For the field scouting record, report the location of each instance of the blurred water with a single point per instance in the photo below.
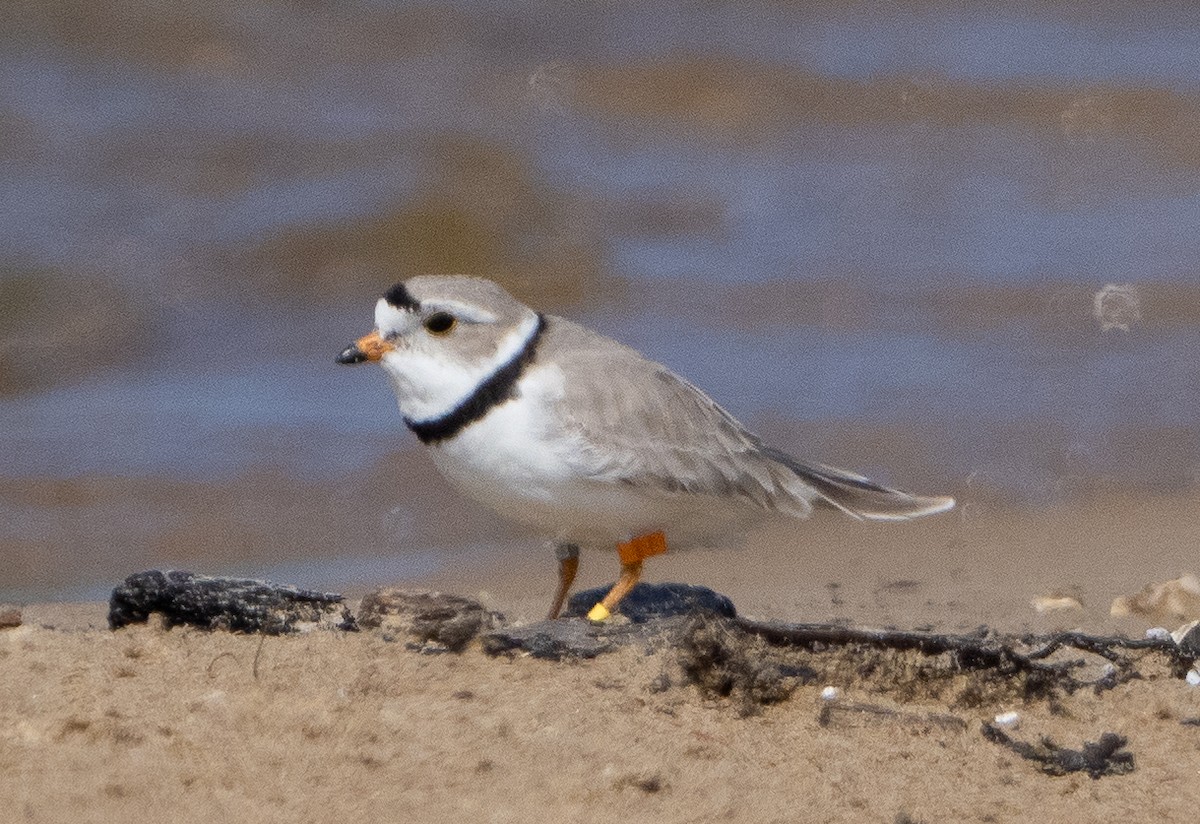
(838, 220)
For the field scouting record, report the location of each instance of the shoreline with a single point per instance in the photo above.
(979, 564)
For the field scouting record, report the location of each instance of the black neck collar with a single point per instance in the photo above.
(497, 388)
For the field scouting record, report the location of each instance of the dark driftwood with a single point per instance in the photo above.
(238, 605)
(986, 650)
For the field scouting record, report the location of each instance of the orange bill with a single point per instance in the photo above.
(373, 346)
(369, 347)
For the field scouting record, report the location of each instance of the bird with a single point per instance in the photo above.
(585, 439)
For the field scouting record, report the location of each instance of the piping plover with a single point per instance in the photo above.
(559, 427)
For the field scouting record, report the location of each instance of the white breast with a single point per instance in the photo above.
(504, 454)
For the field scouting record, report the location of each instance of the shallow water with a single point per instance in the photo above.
(883, 239)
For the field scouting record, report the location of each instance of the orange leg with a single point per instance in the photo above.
(568, 565)
(632, 554)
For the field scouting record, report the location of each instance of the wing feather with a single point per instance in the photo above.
(632, 421)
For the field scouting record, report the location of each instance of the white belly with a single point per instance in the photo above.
(505, 461)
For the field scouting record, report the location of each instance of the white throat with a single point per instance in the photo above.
(429, 385)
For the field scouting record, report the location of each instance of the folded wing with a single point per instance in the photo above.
(628, 420)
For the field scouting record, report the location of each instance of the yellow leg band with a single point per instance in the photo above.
(599, 613)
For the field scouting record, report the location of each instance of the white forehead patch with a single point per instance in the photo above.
(390, 319)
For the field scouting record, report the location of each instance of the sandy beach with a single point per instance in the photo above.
(102, 725)
(951, 246)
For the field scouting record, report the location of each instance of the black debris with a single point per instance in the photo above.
(724, 661)
(573, 638)
(232, 604)
(653, 615)
(436, 621)
(646, 602)
(1097, 758)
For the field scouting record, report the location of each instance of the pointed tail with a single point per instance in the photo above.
(860, 497)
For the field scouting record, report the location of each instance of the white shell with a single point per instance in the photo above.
(1010, 720)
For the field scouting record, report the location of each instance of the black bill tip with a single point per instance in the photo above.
(352, 355)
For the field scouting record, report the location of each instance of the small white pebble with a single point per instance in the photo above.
(1193, 678)
(1055, 603)
(1158, 634)
(831, 694)
(1011, 720)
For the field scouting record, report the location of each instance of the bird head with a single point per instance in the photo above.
(438, 338)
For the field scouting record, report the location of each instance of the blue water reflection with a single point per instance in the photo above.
(954, 183)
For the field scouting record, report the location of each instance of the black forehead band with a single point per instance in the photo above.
(399, 297)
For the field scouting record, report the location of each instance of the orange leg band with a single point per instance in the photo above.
(642, 547)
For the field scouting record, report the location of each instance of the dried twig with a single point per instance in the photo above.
(983, 650)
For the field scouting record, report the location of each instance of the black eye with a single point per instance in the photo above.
(439, 323)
